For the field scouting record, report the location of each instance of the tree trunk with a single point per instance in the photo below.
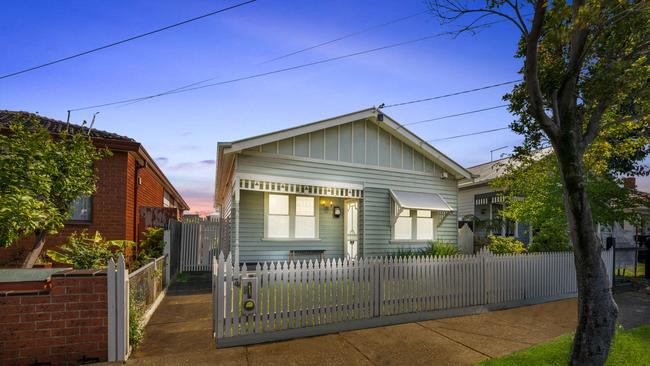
(597, 311)
(36, 250)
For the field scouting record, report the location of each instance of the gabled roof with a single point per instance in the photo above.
(387, 123)
(111, 140)
(486, 172)
(55, 126)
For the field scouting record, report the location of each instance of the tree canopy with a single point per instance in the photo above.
(40, 175)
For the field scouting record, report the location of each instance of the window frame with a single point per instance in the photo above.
(72, 220)
(413, 215)
(292, 218)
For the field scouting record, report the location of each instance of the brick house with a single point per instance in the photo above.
(130, 188)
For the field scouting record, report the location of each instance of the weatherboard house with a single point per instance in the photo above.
(356, 185)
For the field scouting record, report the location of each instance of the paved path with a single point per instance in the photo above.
(179, 333)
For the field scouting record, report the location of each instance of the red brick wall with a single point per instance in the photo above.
(108, 211)
(60, 326)
(150, 193)
(112, 206)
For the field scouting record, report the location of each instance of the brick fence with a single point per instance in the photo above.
(64, 325)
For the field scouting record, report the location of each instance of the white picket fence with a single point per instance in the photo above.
(294, 299)
(199, 240)
(118, 309)
(147, 285)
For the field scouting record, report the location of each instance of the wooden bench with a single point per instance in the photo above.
(311, 253)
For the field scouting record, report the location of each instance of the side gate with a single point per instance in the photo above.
(284, 300)
(192, 245)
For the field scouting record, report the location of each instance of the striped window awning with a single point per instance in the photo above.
(420, 201)
(300, 186)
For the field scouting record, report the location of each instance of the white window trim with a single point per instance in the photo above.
(413, 239)
(292, 218)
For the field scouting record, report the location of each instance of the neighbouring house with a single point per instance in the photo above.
(480, 204)
(356, 185)
(132, 192)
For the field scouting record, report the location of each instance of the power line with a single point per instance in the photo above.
(190, 87)
(126, 40)
(377, 26)
(469, 134)
(455, 115)
(451, 94)
(181, 90)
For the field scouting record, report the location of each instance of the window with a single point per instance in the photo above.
(424, 225)
(80, 209)
(168, 200)
(414, 225)
(278, 218)
(291, 217)
(403, 226)
(305, 218)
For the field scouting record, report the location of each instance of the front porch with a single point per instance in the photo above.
(278, 218)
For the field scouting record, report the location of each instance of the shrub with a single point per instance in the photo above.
(84, 252)
(136, 312)
(505, 245)
(152, 246)
(549, 246)
(405, 253)
(440, 249)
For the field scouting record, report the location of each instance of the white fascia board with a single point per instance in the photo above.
(299, 130)
(426, 148)
(289, 180)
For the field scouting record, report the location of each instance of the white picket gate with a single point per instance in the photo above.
(199, 241)
(294, 299)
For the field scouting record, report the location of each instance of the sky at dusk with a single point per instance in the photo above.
(181, 131)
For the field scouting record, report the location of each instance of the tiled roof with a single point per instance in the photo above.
(56, 126)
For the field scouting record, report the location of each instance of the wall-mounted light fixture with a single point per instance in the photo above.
(327, 204)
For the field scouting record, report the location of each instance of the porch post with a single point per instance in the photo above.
(236, 204)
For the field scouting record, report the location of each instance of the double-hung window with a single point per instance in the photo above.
(291, 217)
(414, 225)
(81, 208)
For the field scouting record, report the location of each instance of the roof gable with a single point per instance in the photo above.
(366, 137)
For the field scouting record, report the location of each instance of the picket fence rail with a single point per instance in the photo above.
(283, 300)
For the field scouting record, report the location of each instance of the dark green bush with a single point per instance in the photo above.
(83, 251)
(439, 248)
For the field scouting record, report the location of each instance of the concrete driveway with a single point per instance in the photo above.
(179, 333)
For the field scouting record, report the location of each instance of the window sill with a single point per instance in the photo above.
(410, 241)
(77, 222)
(290, 239)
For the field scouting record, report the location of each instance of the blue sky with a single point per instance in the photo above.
(182, 130)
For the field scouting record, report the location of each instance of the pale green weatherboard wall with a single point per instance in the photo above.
(374, 214)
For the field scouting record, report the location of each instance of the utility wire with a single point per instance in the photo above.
(126, 40)
(450, 94)
(181, 90)
(195, 86)
(468, 134)
(455, 115)
(349, 35)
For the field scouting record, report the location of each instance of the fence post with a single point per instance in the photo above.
(110, 295)
(167, 254)
(122, 309)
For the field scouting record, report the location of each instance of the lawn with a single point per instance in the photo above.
(629, 272)
(630, 348)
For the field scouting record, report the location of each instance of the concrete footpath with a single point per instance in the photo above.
(179, 333)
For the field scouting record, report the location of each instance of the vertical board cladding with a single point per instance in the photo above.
(375, 206)
(254, 248)
(108, 216)
(61, 326)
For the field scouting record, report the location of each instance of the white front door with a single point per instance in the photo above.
(351, 214)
